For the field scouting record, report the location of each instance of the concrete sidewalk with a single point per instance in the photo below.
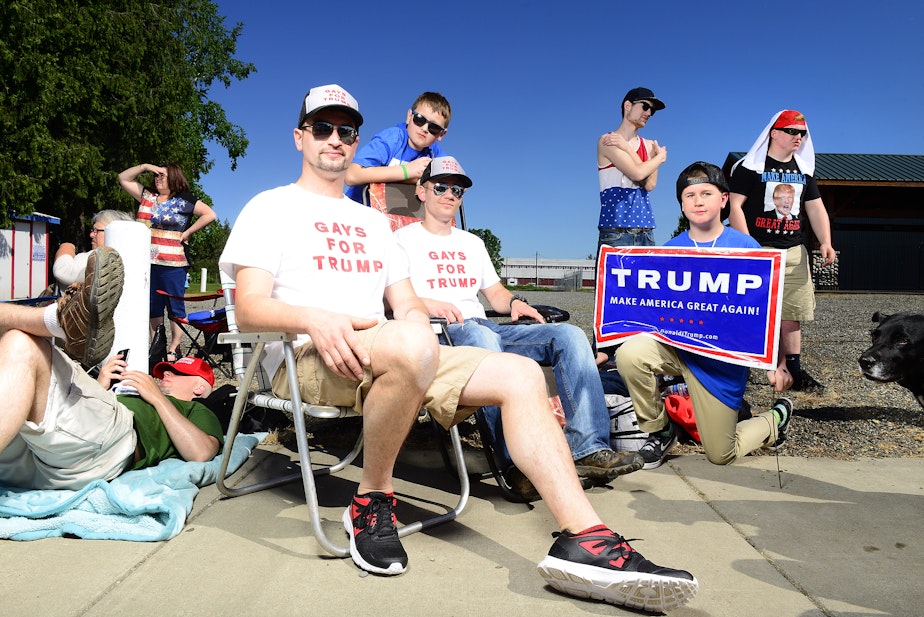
(840, 538)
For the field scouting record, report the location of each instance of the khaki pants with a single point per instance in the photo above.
(321, 386)
(798, 291)
(724, 439)
(86, 435)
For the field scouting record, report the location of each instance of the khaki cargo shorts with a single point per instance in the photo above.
(86, 435)
(321, 386)
(798, 291)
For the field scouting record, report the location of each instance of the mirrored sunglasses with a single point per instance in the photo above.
(322, 130)
(439, 189)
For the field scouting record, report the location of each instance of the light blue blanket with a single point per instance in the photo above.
(146, 505)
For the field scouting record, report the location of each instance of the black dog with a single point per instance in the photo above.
(897, 353)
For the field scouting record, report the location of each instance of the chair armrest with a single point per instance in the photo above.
(254, 337)
(551, 314)
(439, 326)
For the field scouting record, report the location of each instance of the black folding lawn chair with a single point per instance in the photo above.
(202, 329)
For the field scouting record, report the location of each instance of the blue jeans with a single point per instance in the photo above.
(612, 236)
(565, 348)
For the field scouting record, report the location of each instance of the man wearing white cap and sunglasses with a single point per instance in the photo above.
(326, 275)
(450, 267)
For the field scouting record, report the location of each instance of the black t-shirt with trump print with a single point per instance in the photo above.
(775, 204)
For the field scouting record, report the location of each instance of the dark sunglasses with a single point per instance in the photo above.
(793, 132)
(322, 130)
(433, 127)
(646, 106)
(439, 189)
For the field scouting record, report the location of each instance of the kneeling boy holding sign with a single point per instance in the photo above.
(716, 387)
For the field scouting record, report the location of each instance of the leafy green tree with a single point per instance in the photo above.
(90, 87)
(683, 224)
(205, 248)
(493, 244)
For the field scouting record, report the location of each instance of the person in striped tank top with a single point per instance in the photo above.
(628, 169)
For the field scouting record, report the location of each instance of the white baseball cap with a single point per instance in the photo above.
(331, 95)
(443, 166)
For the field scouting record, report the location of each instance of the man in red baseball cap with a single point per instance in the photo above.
(185, 379)
(60, 428)
(784, 156)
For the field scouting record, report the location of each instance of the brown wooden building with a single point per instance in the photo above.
(876, 206)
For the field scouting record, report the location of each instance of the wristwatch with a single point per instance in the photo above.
(515, 298)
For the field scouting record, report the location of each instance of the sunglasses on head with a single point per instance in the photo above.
(439, 189)
(793, 132)
(433, 127)
(646, 106)
(322, 130)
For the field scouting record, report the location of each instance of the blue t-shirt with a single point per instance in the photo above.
(724, 380)
(388, 148)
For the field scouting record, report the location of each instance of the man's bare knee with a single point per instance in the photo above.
(517, 378)
(410, 348)
(21, 347)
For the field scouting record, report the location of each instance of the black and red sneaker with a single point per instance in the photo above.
(600, 565)
(373, 529)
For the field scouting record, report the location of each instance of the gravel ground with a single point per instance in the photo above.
(854, 417)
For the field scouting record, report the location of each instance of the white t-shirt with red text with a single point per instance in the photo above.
(331, 253)
(451, 268)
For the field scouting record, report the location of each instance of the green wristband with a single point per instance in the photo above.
(404, 169)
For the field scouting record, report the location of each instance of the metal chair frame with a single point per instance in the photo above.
(398, 201)
(247, 349)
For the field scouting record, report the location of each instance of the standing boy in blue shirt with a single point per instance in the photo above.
(402, 152)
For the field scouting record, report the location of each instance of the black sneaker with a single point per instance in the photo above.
(600, 565)
(656, 447)
(803, 382)
(373, 530)
(784, 406)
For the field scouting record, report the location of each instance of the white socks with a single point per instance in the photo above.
(50, 317)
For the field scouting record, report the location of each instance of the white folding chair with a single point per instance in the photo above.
(247, 349)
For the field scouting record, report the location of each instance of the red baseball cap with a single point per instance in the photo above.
(194, 367)
(789, 117)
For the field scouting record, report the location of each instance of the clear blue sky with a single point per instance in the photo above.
(534, 84)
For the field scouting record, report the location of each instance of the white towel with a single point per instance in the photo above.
(757, 155)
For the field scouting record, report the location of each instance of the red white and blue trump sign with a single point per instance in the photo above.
(719, 303)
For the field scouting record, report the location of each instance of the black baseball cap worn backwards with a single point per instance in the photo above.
(714, 176)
